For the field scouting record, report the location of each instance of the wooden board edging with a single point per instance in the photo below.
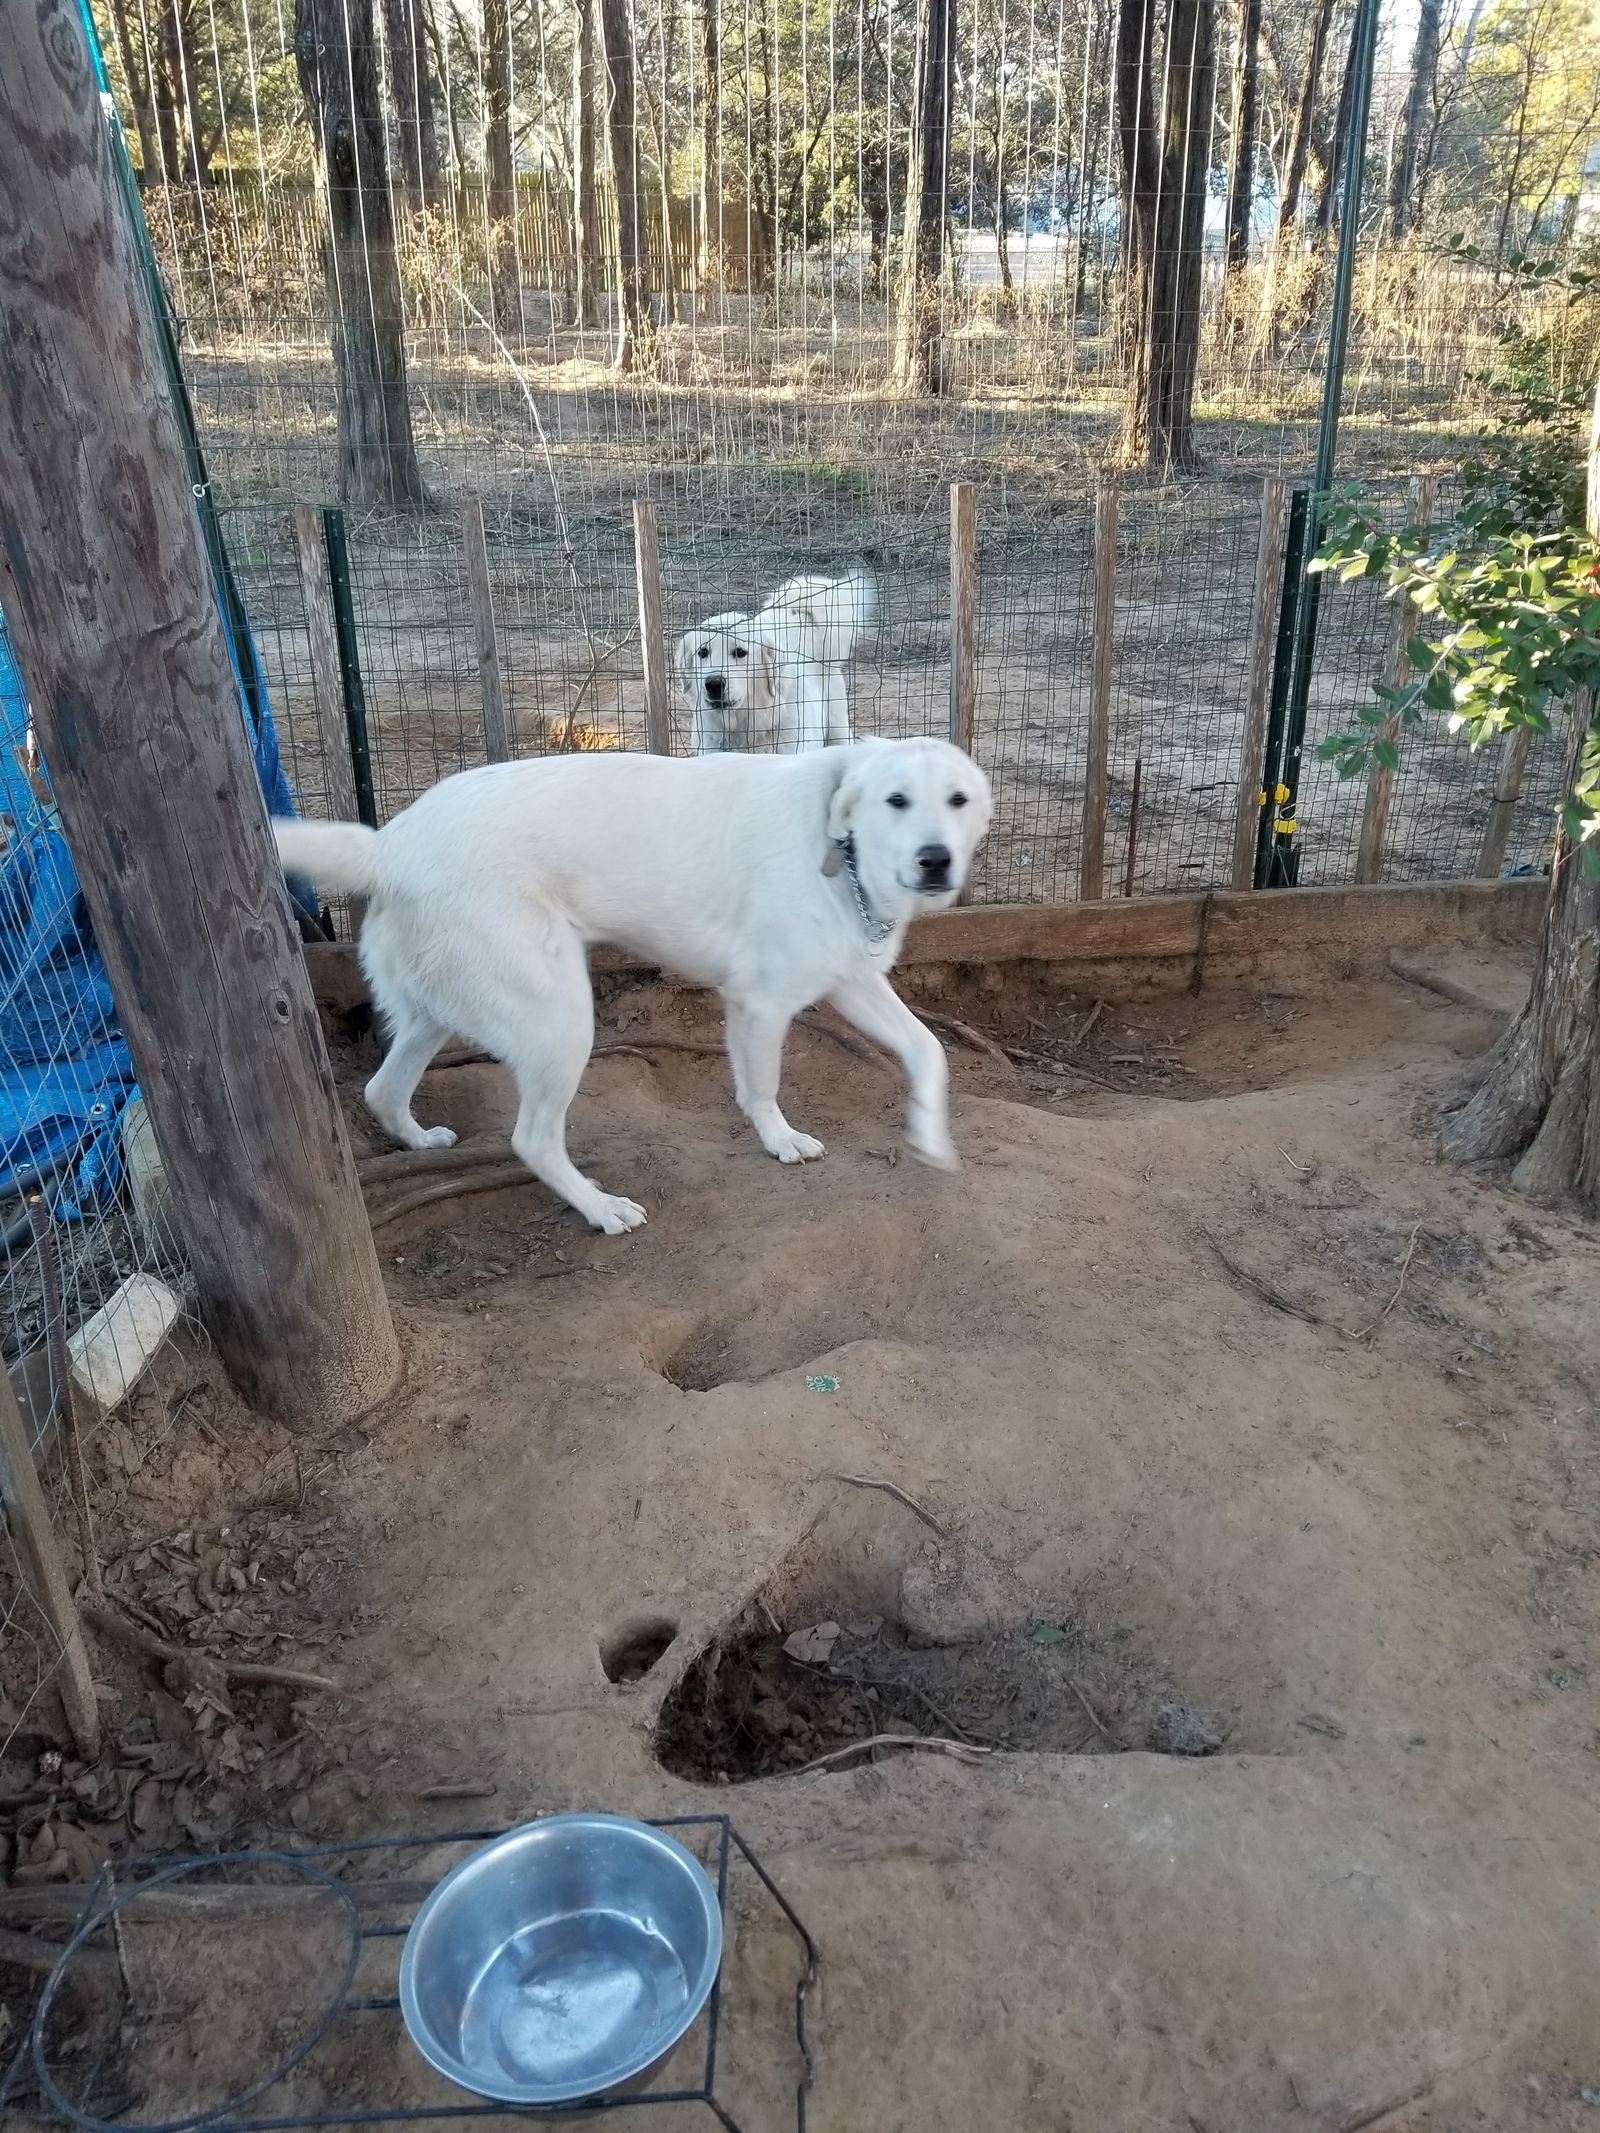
(1230, 927)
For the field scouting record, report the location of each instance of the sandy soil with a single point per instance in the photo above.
(1213, 1386)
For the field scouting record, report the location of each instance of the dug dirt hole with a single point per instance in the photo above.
(871, 1281)
(864, 1635)
(636, 1646)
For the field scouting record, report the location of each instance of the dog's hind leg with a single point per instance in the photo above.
(878, 1011)
(755, 1034)
(417, 1036)
(553, 1037)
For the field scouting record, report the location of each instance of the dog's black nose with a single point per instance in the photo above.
(934, 859)
(714, 688)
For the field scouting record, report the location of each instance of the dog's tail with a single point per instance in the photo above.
(337, 856)
(840, 610)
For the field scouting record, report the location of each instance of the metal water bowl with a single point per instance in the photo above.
(562, 1962)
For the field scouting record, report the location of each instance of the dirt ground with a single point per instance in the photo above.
(1240, 1551)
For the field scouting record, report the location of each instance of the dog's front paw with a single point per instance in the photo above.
(437, 1137)
(617, 1216)
(792, 1147)
(937, 1154)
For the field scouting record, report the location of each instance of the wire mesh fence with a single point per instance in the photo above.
(789, 272)
(571, 663)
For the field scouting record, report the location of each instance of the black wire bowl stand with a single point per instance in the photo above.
(121, 1883)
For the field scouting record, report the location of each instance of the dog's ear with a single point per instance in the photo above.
(683, 656)
(764, 657)
(846, 797)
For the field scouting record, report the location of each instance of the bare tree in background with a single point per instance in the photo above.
(336, 58)
(500, 174)
(1300, 137)
(1405, 174)
(585, 196)
(708, 264)
(1242, 147)
(1165, 168)
(635, 326)
(158, 44)
(919, 365)
(411, 86)
(1337, 146)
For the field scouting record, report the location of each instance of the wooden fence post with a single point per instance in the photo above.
(333, 728)
(113, 612)
(963, 614)
(496, 723)
(1507, 792)
(1263, 641)
(652, 632)
(1380, 779)
(1092, 852)
(43, 1571)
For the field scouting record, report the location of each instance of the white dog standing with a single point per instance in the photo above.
(773, 682)
(779, 880)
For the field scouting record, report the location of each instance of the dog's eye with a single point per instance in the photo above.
(739, 652)
(958, 799)
(705, 651)
(898, 799)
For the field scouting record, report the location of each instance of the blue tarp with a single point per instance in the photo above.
(66, 1076)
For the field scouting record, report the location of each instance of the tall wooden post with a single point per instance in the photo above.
(110, 602)
(652, 630)
(1092, 850)
(963, 614)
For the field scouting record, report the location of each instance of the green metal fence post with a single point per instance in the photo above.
(355, 695)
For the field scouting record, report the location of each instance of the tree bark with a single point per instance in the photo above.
(500, 177)
(1539, 1096)
(1242, 148)
(111, 603)
(585, 198)
(709, 263)
(635, 327)
(1294, 174)
(1338, 147)
(334, 54)
(919, 365)
(1403, 179)
(185, 73)
(135, 66)
(1165, 171)
(412, 86)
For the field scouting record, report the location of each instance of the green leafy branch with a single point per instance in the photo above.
(1508, 632)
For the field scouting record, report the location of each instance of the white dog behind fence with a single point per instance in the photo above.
(773, 682)
(778, 880)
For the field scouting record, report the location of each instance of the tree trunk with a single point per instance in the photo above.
(112, 606)
(1403, 178)
(585, 199)
(708, 266)
(1165, 171)
(186, 75)
(172, 100)
(500, 177)
(919, 365)
(135, 66)
(1242, 148)
(635, 326)
(1294, 174)
(335, 56)
(1328, 200)
(1539, 1097)
(412, 87)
